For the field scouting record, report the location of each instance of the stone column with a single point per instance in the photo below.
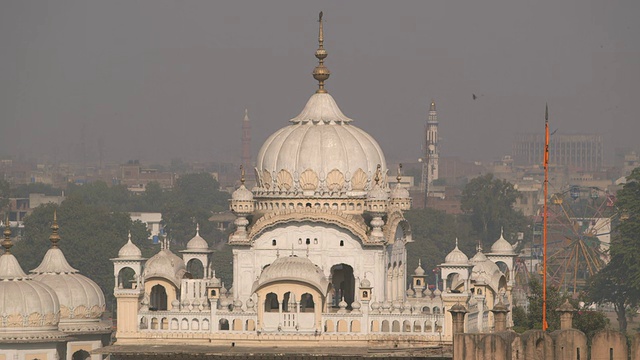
(566, 315)
(500, 317)
(458, 312)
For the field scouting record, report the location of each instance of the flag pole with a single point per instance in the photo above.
(545, 216)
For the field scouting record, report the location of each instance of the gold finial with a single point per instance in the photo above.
(6, 243)
(197, 229)
(242, 174)
(399, 177)
(377, 177)
(54, 238)
(433, 106)
(321, 73)
(546, 112)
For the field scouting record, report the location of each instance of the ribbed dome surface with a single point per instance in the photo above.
(25, 303)
(242, 194)
(197, 243)
(502, 246)
(167, 265)
(320, 140)
(456, 257)
(129, 250)
(293, 268)
(79, 296)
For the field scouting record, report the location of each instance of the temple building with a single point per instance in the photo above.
(319, 256)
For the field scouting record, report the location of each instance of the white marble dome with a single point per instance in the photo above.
(166, 265)
(79, 296)
(320, 148)
(502, 246)
(456, 257)
(242, 194)
(29, 309)
(197, 243)
(293, 268)
(129, 250)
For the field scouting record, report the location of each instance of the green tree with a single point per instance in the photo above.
(23, 190)
(489, 204)
(434, 233)
(5, 193)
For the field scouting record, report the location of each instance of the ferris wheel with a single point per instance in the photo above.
(578, 235)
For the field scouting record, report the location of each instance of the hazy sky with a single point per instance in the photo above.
(155, 80)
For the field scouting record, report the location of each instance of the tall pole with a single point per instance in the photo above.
(545, 216)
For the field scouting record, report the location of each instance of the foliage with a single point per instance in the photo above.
(489, 204)
(98, 193)
(619, 281)
(91, 235)
(520, 319)
(5, 191)
(586, 321)
(434, 233)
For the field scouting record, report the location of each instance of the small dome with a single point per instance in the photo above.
(377, 194)
(129, 250)
(293, 268)
(242, 194)
(365, 283)
(419, 271)
(197, 243)
(502, 246)
(167, 265)
(437, 292)
(479, 257)
(456, 257)
(458, 308)
(215, 282)
(400, 192)
(410, 292)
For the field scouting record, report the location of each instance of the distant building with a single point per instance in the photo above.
(584, 152)
(136, 178)
(152, 220)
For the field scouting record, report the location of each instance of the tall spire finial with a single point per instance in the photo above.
(433, 106)
(197, 229)
(54, 238)
(6, 243)
(242, 174)
(546, 112)
(246, 114)
(399, 177)
(456, 243)
(321, 73)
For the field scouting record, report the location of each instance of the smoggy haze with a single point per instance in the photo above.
(154, 80)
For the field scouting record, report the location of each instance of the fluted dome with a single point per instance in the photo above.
(79, 296)
(242, 194)
(502, 246)
(399, 192)
(321, 149)
(456, 257)
(365, 283)
(129, 250)
(419, 271)
(197, 243)
(167, 265)
(29, 309)
(293, 268)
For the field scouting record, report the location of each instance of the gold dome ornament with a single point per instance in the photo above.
(6, 243)
(320, 72)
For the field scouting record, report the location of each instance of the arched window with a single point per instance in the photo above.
(81, 355)
(158, 298)
(341, 242)
(126, 278)
(196, 268)
(271, 303)
(306, 303)
(273, 242)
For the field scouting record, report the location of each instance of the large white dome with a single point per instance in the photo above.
(320, 151)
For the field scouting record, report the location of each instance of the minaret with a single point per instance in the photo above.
(432, 142)
(430, 161)
(246, 142)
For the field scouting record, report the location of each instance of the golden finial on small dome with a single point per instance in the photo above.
(399, 177)
(321, 73)
(7, 243)
(242, 174)
(377, 177)
(54, 238)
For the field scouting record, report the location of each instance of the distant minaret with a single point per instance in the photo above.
(430, 161)
(432, 142)
(246, 142)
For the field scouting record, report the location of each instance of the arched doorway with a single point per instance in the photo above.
(343, 284)
(126, 278)
(158, 298)
(196, 268)
(80, 355)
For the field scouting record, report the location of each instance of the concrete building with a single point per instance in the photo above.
(584, 152)
(152, 220)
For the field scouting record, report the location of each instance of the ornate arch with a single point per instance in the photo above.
(395, 219)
